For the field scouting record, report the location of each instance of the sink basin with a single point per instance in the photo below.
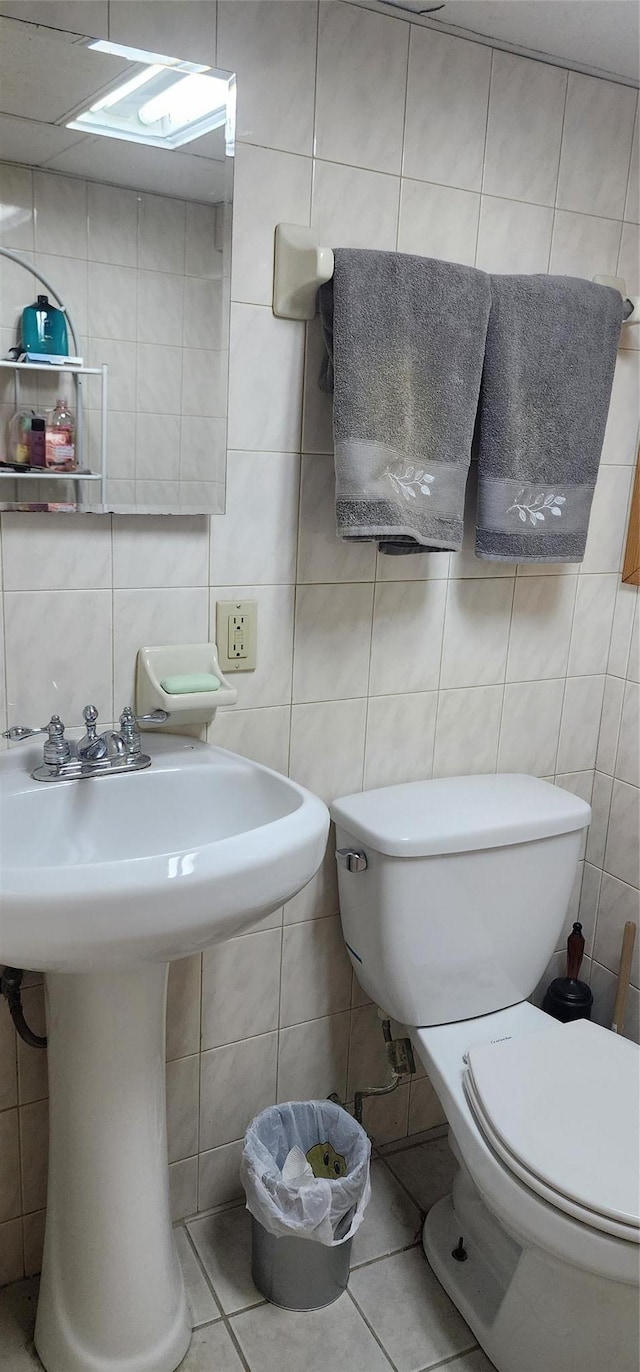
(147, 866)
(102, 883)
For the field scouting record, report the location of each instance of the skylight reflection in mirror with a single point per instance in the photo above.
(163, 103)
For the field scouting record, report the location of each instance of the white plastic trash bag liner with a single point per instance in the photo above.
(314, 1209)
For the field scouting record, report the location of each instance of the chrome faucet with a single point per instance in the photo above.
(94, 754)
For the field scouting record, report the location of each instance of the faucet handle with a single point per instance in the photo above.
(129, 731)
(18, 733)
(90, 716)
(56, 749)
(156, 717)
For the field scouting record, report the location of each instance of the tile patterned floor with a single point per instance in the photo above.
(394, 1314)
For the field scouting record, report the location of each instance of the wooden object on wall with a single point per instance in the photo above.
(631, 568)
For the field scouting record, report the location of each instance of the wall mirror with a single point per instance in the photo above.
(116, 187)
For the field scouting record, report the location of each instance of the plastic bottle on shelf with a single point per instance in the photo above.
(37, 441)
(60, 439)
(19, 434)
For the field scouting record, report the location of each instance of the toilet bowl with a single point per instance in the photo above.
(550, 1285)
(453, 894)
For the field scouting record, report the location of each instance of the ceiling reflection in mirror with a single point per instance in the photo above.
(116, 190)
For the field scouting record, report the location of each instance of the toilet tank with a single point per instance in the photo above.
(463, 894)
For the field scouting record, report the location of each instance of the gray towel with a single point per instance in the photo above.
(405, 341)
(546, 385)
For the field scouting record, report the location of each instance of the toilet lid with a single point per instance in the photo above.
(562, 1108)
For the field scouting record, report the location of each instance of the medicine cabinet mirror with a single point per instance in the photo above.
(116, 188)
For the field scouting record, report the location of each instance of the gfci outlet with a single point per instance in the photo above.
(236, 634)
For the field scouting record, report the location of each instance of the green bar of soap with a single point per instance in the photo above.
(188, 685)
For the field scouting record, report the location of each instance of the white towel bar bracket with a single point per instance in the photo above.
(631, 303)
(302, 265)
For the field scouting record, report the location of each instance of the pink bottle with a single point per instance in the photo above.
(60, 444)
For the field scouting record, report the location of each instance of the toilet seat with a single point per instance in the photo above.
(554, 1104)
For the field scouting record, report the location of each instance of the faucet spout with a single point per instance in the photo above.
(116, 746)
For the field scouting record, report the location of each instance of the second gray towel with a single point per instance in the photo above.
(546, 385)
(405, 341)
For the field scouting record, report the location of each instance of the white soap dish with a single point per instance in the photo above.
(180, 659)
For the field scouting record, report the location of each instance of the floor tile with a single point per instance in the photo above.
(201, 1303)
(427, 1171)
(18, 1304)
(411, 1314)
(224, 1246)
(472, 1362)
(391, 1220)
(329, 1340)
(211, 1348)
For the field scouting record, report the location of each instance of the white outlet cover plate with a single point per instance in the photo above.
(226, 611)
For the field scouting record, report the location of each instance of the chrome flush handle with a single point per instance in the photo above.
(352, 858)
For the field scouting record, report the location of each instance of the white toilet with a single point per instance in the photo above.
(453, 895)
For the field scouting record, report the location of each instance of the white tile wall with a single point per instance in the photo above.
(524, 130)
(371, 670)
(608, 720)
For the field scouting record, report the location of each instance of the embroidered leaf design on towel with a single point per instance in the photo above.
(534, 508)
(405, 482)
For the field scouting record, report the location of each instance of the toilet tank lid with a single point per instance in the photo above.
(459, 814)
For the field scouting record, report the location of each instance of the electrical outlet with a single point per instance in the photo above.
(236, 634)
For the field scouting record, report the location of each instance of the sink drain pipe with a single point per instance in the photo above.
(10, 983)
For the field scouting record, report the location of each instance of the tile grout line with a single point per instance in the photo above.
(555, 192)
(224, 1319)
(280, 981)
(481, 192)
(487, 115)
(506, 661)
(565, 679)
(368, 695)
(439, 688)
(403, 1184)
(402, 147)
(455, 1358)
(629, 173)
(371, 1330)
(382, 1257)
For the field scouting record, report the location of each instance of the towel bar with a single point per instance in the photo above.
(301, 265)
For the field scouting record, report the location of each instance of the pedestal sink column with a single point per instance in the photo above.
(111, 1296)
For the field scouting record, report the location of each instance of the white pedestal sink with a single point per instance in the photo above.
(103, 883)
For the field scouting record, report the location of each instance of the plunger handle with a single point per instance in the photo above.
(575, 951)
(624, 974)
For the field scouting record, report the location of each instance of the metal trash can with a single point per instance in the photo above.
(302, 1227)
(298, 1274)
